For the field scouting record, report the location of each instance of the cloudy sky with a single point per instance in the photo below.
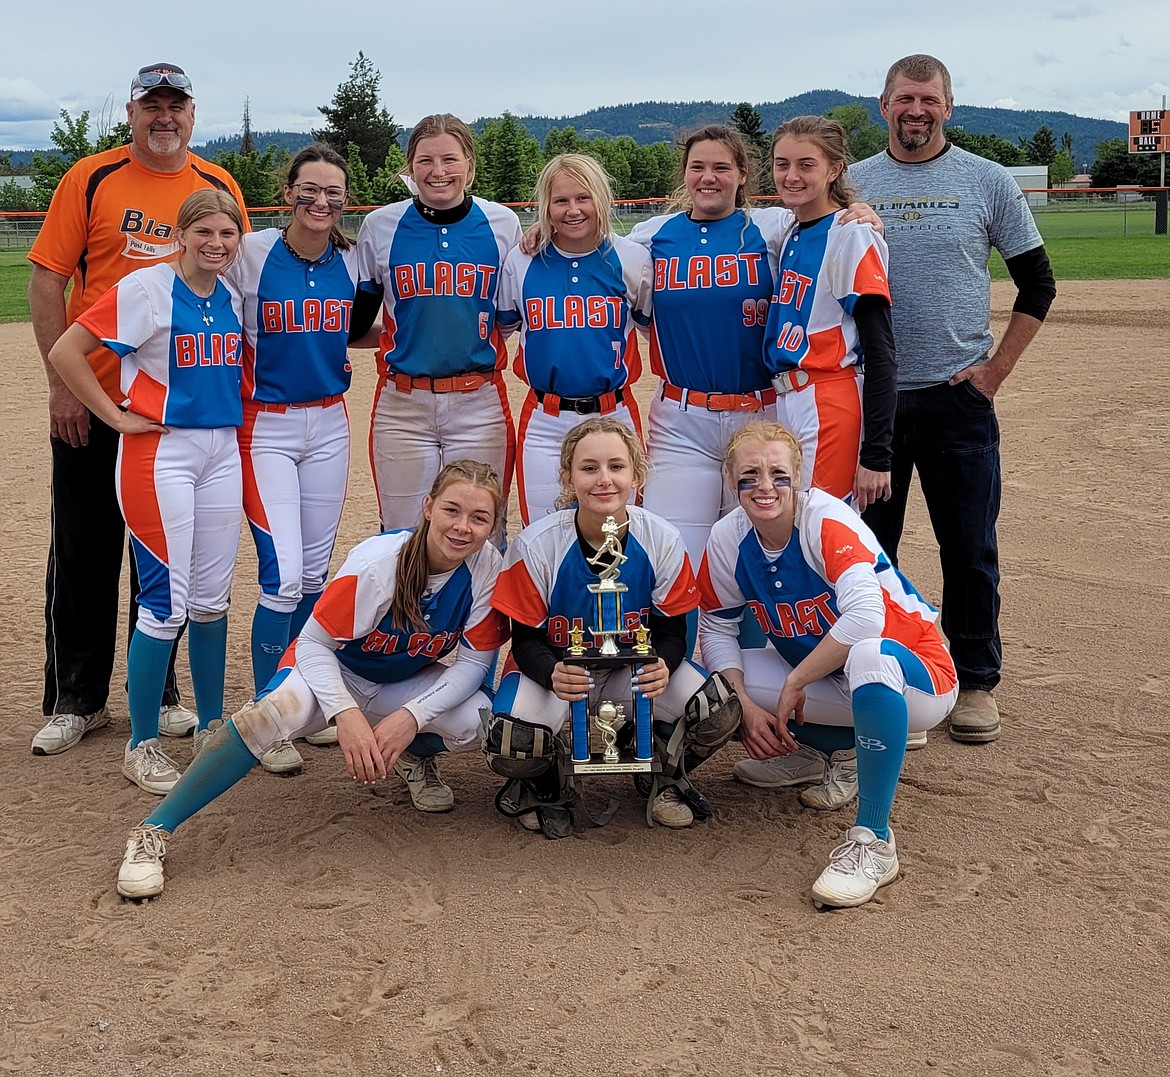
(1081, 56)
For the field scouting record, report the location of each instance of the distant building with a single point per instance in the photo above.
(1034, 179)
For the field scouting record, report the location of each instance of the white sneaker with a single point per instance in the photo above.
(857, 867)
(804, 765)
(914, 741)
(62, 731)
(839, 786)
(148, 767)
(141, 873)
(202, 736)
(428, 791)
(669, 809)
(282, 758)
(323, 739)
(177, 721)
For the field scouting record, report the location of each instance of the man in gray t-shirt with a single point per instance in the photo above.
(944, 209)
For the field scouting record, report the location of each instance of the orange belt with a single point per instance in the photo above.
(280, 409)
(457, 383)
(797, 379)
(719, 401)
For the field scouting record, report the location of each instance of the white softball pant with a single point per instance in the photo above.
(829, 700)
(291, 710)
(295, 467)
(412, 435)
(180, 494)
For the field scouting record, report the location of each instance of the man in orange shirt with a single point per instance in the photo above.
(112, 213)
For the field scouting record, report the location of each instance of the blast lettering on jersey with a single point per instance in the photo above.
(809, 617)
(207, 349)
(705, 271)
(306, 316)
(431, 646)
(792, 284)
(380, 642)
(573, 312)
(443, 278)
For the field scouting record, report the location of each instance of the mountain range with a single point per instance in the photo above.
(659, 121)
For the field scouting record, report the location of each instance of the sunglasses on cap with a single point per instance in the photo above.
(150, 78)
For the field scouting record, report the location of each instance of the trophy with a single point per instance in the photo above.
(610, 654)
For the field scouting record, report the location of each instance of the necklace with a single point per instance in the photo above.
(323, 260)
(202, 302)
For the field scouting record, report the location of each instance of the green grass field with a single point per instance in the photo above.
(1083, 244)
(14, 273)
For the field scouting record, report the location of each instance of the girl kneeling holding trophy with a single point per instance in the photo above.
(550, 587)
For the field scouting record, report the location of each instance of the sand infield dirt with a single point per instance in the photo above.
(310, 927)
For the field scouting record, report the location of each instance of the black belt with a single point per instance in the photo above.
(582, 405)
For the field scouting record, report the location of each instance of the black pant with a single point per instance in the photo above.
(87, 538)
(951, 435)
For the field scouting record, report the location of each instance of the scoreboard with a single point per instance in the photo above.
(1149, 131)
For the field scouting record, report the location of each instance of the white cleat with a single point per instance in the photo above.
(141, 873)
(149, 767)
(857, 868)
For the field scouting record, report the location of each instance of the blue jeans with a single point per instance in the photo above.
(951, 435)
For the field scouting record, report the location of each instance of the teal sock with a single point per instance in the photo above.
(270, 636)
(881, 722)
(207, 653)
(824, 738)
(427, 744)
(146, 673)
(692, 633)
(224, 760)
(301, 614)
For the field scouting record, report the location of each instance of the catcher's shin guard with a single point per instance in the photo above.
(534, 759)
(710, 718)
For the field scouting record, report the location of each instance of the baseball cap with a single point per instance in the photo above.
(156, 75)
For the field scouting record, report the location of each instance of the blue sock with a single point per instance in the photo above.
(270, 636)
(824, 738)
(692, 633)
(224, 760)
(881, 723)
(301, 614)
(207, 653)
(427, 744)
(146, 673)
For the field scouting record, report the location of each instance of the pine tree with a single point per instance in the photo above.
(361, 190)
(747, 121)
(356, 117)
(1040, 149)
(247, 142)
(387, 185)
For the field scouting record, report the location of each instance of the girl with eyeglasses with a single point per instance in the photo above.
(297, 285)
